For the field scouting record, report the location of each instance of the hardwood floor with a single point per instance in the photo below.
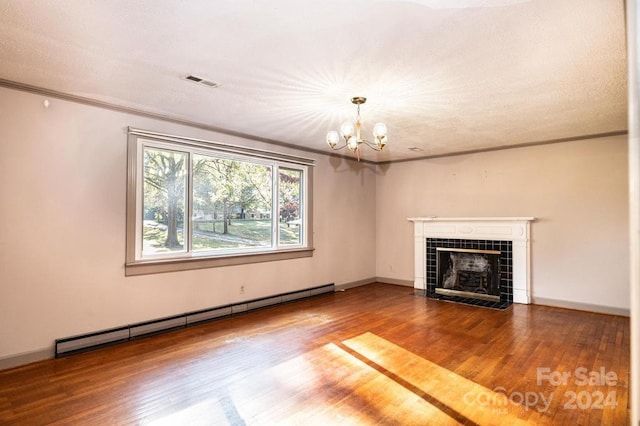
(375, 354)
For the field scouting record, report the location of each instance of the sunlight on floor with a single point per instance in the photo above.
(454, 394)
(363, 380)
(338, 389)
(204, 413)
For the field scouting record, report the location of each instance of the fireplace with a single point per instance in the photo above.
(468, 273)
(480, 272)
(491, 256)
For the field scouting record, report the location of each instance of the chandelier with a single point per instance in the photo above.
(351, 134)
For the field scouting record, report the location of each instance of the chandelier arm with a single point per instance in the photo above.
(371, 145)
(339, 147)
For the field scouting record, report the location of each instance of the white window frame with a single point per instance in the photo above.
(138, 263)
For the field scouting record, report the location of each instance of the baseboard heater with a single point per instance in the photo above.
(85, 342)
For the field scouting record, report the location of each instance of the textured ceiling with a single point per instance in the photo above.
(444, 75)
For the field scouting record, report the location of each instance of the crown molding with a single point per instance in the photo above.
(177, 120)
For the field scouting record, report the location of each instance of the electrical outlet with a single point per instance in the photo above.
(241, 289)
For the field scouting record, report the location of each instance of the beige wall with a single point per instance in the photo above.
(576, 190)
(62, 222)
(62, 228)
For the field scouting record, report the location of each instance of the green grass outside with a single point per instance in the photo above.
(241, 234)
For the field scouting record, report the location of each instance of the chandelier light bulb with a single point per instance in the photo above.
(379, 130)
(347, 130)
(333, 138)
(352, 144)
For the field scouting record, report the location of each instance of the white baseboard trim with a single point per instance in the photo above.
(395, 281)
(26, 358)
(357, 283)
(600, 309)
(383, 280)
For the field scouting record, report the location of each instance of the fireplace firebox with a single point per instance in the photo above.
(474, 272)
(468, 273)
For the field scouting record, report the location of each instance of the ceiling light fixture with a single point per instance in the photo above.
(351, 134)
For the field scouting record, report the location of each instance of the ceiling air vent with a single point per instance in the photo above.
(202, 81)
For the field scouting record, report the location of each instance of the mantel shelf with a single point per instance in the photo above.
(470, 219)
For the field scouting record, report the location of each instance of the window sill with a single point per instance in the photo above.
(146, 267)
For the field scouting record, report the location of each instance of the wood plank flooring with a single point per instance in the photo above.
(375, 354)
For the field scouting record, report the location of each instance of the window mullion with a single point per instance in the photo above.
(302, 210)
(187, 222)
(139, 191)
(275, 228)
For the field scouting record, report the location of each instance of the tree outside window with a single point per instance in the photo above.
(198, 202)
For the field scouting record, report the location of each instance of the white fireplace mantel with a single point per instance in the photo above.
(515, 229)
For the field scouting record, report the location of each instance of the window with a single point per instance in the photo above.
(196, 204)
